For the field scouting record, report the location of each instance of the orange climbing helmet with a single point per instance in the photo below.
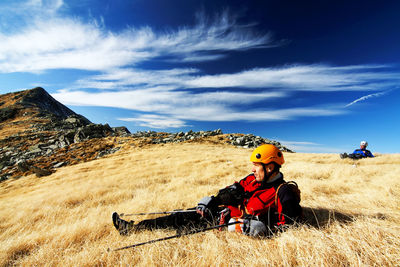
(266, 154)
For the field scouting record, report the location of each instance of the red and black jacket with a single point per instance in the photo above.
(260, 199)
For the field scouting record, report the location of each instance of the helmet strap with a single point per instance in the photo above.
(265, 172)
(266, 177)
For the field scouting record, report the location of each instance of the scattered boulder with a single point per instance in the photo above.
(40, 172)
(59, 164)
(23, 166)
(109, 151)
(251, 141)
(121, 131)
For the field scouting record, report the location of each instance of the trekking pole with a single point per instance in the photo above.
(175, 236)
(160, 212)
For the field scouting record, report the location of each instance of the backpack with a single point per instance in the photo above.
(293, 187)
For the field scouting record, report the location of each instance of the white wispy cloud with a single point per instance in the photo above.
(302, 77)
(165, 101)
(129, 78)
(67, 43)
(363, 98)
(220, 34)
(60, 42)
(320, 78)
(180, 106)
(156, 121)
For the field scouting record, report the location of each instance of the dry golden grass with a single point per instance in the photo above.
(64, 219)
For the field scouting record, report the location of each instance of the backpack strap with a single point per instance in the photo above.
(293, 186)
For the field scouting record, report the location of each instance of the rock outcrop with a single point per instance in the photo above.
(238, 140)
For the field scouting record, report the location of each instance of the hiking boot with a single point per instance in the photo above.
(344, 155)
(123, 227)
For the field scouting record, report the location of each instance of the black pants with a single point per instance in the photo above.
(352, 156)
(179, 221)
(355, 156)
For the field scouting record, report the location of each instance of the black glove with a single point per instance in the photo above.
(232, 195)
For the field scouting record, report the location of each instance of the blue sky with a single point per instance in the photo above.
(318, 76)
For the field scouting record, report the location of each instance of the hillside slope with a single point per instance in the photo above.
(352, 209)
(38, 135)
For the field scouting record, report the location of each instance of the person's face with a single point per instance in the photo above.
(258, 171)
(363, 146)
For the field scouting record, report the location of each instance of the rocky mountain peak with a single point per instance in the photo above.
(38, 97)
(37, 131)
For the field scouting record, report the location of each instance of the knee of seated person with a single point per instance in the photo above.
(256, 228)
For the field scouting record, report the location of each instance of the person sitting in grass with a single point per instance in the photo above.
(261, 203)
(362, 152)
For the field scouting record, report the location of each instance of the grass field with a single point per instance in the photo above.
(353, 210)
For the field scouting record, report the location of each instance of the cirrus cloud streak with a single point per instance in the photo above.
(61, 42)
(173, 109)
